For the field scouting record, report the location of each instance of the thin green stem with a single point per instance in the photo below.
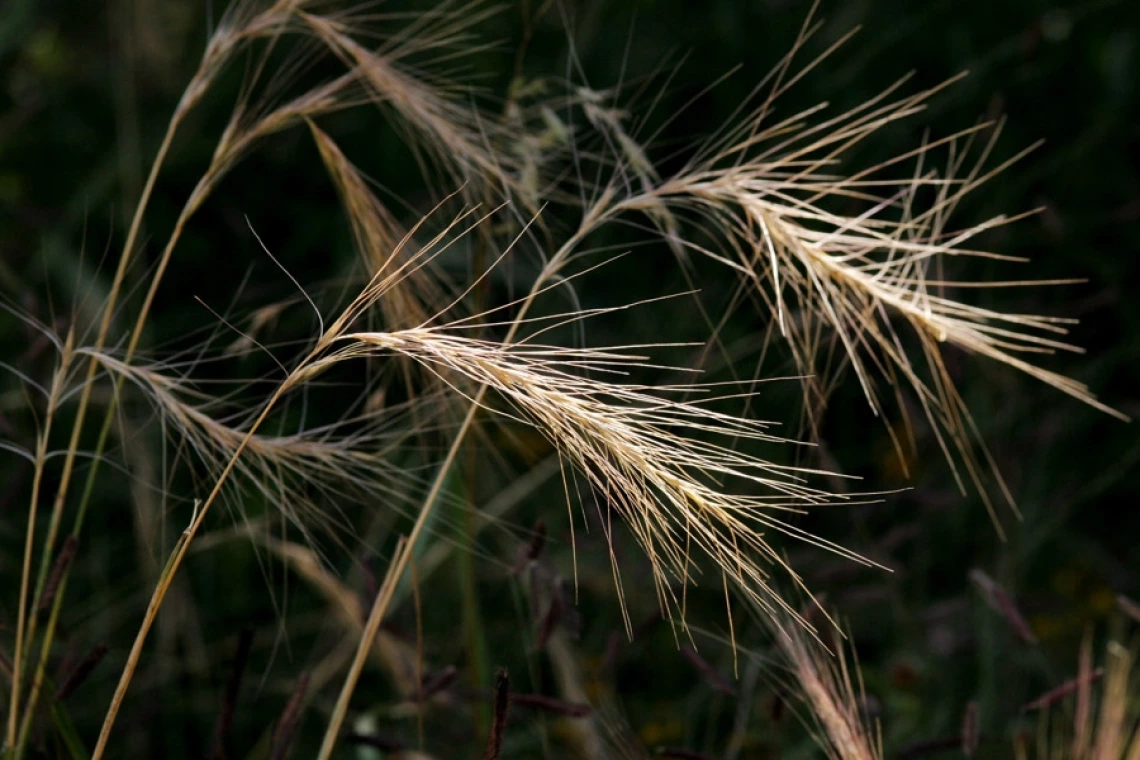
(57, 601)
(29, 541)
(132, 346)
(73, 445)
(100, 342)
(400, 562)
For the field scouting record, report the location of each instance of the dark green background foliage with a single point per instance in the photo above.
(86, 90)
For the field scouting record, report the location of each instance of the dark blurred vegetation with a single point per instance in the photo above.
(85, 93)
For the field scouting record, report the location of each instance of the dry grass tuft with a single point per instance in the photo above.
(1100, 722)
(467, 148)
(767, 194)
(831, 255)
(378, 237)
(641, 452)
(834, 699)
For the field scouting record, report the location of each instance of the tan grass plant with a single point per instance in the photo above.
(1099, 720)
(762, 198)
(833, 694)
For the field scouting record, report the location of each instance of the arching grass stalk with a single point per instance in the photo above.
(238, 137)
(299, 375)
(375, 617)
(66, 351)
(69, 458)
(630, 440)
(590, 222)
(231, 33)
(174, 562)
(766, 196)
(242, 24)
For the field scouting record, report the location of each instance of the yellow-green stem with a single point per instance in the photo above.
(29, 543)
(57, 602)
(172, 566)
(100, 342)
(65, 481)
(375, 617)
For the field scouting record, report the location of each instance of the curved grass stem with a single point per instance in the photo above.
(22, 621)
(375, 617)
(77, 427)
(177, 555)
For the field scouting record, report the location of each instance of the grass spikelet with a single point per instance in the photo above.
(501, 709)
(79, 674)
(640, 452)
(378, 235)
(543, 703)
(762, 199)
(287, 724)
(1102, 724)
(59, 567)
(465, 147)
(221, 737)
(1000, 600)
(824, 680)
(284, 469)
(970, 735)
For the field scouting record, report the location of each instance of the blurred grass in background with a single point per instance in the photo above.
(85, 93)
